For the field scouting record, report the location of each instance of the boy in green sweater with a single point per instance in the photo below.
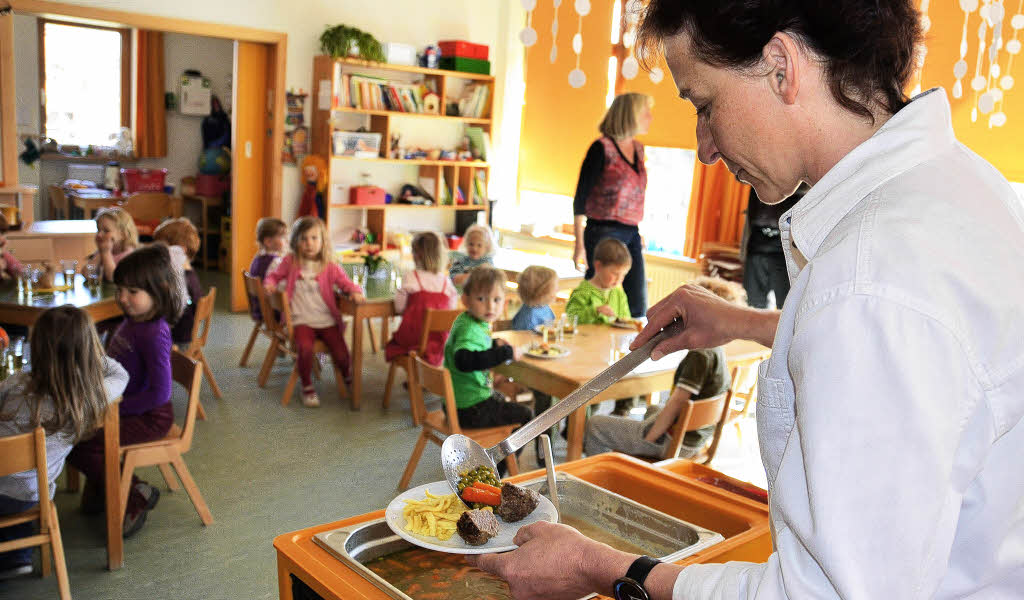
(601, 299)
(471, 353)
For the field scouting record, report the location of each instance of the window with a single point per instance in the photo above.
(85, 82)
(667, 202)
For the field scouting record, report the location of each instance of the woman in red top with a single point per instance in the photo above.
(610, 192)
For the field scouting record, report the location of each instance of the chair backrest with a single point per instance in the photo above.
(279, 301)
(188, 374)
(501, 325)
(151, 206)
(203, 320)
(692, 416)
(58, 200)
(436, 320)
(254, 291)
(436, 380)
(25, 452)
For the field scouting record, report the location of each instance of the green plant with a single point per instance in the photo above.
(338, 41)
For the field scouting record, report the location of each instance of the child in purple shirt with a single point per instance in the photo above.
(149, 292)
(272, 237)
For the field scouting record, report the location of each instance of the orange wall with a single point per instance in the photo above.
(674, 123)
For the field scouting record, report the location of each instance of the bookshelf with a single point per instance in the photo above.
(395, 107)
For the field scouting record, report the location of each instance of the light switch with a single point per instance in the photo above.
(248, 149)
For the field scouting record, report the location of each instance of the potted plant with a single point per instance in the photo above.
(376, 265)
(343, 41)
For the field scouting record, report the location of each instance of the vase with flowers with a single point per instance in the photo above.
(376, 264)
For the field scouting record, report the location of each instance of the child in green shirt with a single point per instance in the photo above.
(471, 352)
(601, 299)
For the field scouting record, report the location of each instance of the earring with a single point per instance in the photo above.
(780, 76)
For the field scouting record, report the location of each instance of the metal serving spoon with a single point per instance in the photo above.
(460, 454)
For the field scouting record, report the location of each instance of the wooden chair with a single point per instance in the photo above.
(743, 389)
(200, 332)
(148, 209)
(279, 301)
(168, 452)
(433, 321)
(26, 452)
(439, 424)
(693, 416)
(254, 289)
(59, 207)
(721, 260)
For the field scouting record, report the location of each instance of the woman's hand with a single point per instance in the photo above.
(710, 322)
(555, 561)
(579, 256)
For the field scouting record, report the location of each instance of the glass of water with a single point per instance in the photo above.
(359, 275)
(92, 276)
(69, 267)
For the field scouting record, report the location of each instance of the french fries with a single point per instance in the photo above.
(434, 516)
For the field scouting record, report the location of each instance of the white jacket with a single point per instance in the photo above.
(889, 415)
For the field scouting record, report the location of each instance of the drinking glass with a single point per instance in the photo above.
(570, 323)
(359, 275)
(69, 267)
(25, 277)
(36, 274)
(559, 328)
(92, 276)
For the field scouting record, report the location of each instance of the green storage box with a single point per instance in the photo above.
(466, 65)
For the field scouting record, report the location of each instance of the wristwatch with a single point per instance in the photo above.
(631, 587)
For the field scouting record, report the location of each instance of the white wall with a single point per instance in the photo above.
(26, 82)
(492, 22)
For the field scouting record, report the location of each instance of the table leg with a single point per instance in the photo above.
(574, 447)
(112, 481)
(357, 359)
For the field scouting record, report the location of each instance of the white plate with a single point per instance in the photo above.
(502, 542)
(565, 352)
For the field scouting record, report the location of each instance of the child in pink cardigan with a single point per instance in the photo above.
(310, 278)
(9, 266)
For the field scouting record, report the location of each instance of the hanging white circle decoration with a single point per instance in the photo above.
(996, 12)
(630, 67)
(629, 38)
(577, 78)
(978, 83)
(528, 5)
(996, 93)
(1013, 46)
(983, 13)
(1017, 22)
(994, 70)
(998, 119)
(554, 54)
(554, 28)
(926, 23)
(583, 7)
(557, 3)
(958, 89)
(577, 43)
(528, 36)
(960, 69)
(968, 5)
(1006, 82)
(656, 75)
(986, 103)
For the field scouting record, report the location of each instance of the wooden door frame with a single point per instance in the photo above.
(275, 40)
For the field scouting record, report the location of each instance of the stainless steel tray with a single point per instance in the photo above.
(595, 510)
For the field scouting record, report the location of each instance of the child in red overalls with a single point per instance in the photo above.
(427, 287)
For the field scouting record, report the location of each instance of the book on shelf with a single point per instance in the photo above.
(446, 192)
(480, 140)
(460, 198)
(367, 92)
(473, 102)
(479, 188)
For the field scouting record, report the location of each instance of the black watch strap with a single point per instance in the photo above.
(641, 568)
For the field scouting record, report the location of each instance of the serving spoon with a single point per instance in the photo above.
(460, 454)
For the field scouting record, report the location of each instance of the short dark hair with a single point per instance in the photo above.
(269, 227)
(869, 47)
(484, 277)
(612, 253)
(150, 269)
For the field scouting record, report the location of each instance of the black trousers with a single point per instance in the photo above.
(635, 283)
(763, 273)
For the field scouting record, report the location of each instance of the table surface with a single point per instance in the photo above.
(89, 192)
(516, 261)
(59, 227)
(80, 296)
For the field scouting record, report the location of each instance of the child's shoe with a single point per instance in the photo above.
(15, 571)
(310, 400)
(150, 493)
(133, 522)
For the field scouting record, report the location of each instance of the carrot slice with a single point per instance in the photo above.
(487, 487)
(475, 494)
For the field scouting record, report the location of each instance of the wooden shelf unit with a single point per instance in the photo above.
(327, 70)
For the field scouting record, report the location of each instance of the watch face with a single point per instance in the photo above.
(627, 589)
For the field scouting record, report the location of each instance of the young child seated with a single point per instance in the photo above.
(67, 392)
(426, 287)
(471, 352)
(538, 287)
(701, 374)
(272, 239)
(116, 236)
(601, 298)
(151, 296)
(310, 277)
(477, 249)
(9, 266)
(182, 233)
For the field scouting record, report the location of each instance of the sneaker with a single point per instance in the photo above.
(311, 400)
(133, 523)
(150, 493)
(16, 571)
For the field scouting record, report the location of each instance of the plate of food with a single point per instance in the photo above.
(432, 517)
(624, 324)
(547, 351)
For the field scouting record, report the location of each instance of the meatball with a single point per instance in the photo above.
(516, 503)
(477, 526)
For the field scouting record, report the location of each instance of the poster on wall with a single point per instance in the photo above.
(296, 134)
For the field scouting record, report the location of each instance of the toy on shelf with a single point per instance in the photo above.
(314, 173)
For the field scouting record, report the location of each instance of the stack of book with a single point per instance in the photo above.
(374, 93)
(474, 101)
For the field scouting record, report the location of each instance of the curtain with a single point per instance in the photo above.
(717, 205)
(150, 120)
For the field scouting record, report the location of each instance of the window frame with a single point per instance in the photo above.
(126, 64)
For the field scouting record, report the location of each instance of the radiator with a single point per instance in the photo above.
(664, 277)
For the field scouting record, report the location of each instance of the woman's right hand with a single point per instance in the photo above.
(579, 257)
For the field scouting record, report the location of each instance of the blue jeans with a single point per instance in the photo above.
(15, 558)
(635, 283)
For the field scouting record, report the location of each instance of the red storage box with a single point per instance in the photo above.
(366, 194)
(212, 185)
(143, 180)
(463, 49)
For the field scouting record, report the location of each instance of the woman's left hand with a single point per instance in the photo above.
(555, 561)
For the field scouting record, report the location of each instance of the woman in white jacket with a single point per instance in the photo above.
(889, 415)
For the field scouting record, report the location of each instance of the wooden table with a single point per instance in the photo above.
(21, 308)
(590, 354)
(514, 262)
(53, 241)
(380, 302)
(90, 200)
(205, 203)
